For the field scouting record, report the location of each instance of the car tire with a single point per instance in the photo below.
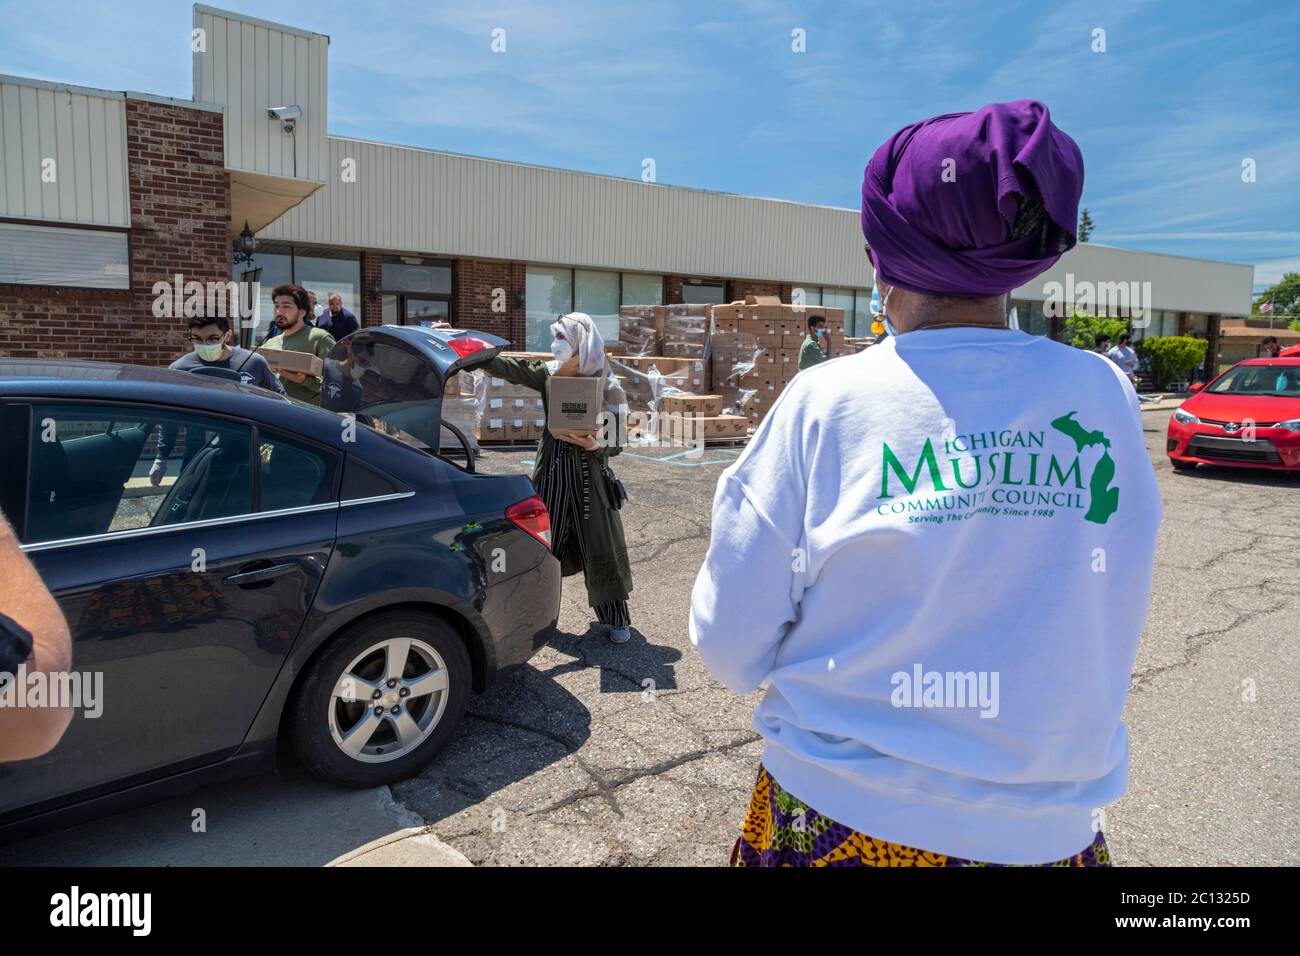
(1182, 465)
(322, 723)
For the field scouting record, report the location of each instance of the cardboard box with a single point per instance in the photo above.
(762, 300)
(292, 361)
(491, 429)
(722, 426)
(576, 401)
(707, 405)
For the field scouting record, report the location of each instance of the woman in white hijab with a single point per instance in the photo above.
(570, 473)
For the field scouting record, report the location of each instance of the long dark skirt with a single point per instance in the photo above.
(566, 490)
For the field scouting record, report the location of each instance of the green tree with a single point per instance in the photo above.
(1294, 325)
(1086, 226)
(1285, 296)
(1171, 357)
(1082, 329)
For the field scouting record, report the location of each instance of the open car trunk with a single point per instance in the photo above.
(396, 375)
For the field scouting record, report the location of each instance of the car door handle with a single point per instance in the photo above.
(256, 575)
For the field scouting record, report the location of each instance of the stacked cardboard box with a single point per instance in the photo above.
(640, 329)
(460, 408)
(755, 351)
(646, 378)
(694, 416)
(509, 412)
(685, 331)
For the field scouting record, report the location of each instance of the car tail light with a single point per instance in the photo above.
(467, 345)
(530, 515)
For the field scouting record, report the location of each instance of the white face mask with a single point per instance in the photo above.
(562, 350)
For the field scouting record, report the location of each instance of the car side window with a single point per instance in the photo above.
(99, 469)
(294, 474)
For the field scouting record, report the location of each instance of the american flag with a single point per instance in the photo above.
(1266, 308)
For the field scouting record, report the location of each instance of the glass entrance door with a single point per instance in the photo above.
(414, 310)
(424, 311)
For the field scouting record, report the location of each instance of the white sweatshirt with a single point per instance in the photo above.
(947, 665)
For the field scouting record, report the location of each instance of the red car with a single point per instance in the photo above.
(1248, 417)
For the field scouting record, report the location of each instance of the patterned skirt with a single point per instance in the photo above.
(782, 830)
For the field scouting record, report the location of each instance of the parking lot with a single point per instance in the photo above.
(601, 754)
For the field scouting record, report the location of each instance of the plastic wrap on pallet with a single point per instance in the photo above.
(640, 329)
(687, 331)
(643, 386)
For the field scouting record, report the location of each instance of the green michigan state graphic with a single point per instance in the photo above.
(1103, 500)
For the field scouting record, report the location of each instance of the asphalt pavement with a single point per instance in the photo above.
(598, 754)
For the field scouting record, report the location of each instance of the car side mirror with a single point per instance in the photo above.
(1196, 386)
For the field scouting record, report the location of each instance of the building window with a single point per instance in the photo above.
(549, 292)
(704, 293)
(326, 273)
(48, 255)
(856, 304)
(640, 289)
(317, 270)
(597, 294)
(415, 275)
(806, 294)
(416, 291)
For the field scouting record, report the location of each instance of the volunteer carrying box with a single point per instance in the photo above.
(292, 361)
(575, 404)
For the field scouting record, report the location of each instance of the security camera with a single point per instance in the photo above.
(287, 115)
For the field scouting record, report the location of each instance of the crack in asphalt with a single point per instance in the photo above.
(632, 776)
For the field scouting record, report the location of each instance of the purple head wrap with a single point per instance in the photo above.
(972, 204)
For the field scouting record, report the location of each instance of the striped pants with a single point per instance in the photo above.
(565, 488)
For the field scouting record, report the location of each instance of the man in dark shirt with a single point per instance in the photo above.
(212, 347)
(337, 320)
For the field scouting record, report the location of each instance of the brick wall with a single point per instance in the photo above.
(180, 214)
(479, 305)
(672, 290)
(372, 313)
(739, 288)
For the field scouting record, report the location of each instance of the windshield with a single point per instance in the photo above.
(1281, 381)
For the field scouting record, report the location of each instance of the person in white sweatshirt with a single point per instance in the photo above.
(937, 553)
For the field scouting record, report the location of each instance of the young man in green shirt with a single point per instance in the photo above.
(292, 306)
(813, 351)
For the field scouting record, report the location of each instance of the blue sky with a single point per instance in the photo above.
(715, 95)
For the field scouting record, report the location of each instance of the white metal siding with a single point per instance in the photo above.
(439, 203)
(249, 66)
(84, 133)
(422, 201)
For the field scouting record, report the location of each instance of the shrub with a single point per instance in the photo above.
(1171, 357)
(1081, 330)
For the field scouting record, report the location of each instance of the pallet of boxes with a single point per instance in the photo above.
(460, 408)
(664, 370)
(509, 413)
(755, 351)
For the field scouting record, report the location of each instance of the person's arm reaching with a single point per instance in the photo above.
(27, 732)
(748, 591)
(526, 372)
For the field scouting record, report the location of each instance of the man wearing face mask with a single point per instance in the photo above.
(570, 474)
(212, 343)
(906, 552)
(815, 349)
